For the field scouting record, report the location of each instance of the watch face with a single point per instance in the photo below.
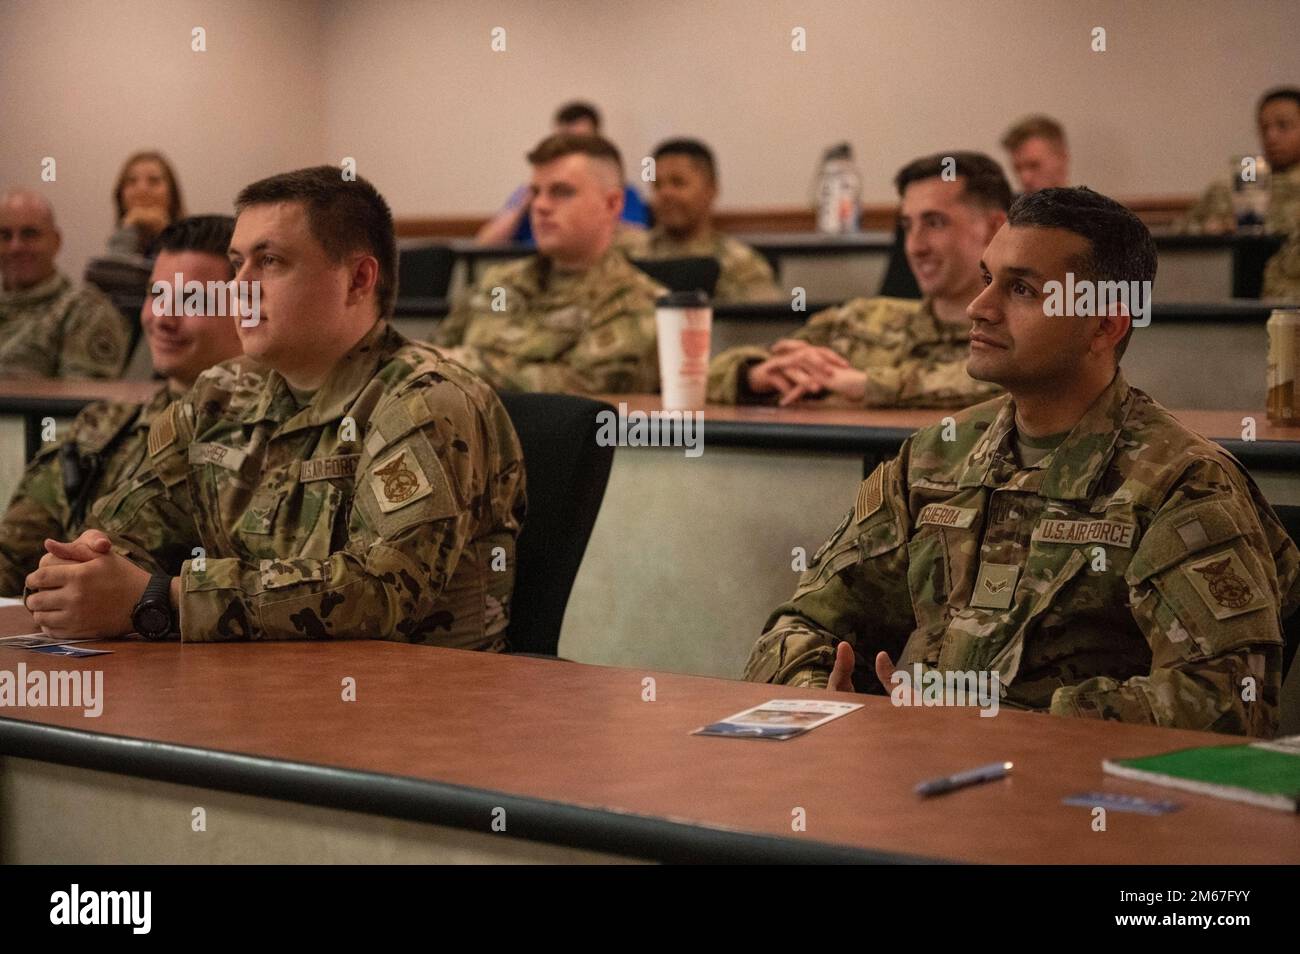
(152, 621)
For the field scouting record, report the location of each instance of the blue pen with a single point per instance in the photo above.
(985, 773)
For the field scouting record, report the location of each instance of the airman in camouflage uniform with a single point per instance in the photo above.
(1122, 569)
(911, 359)
(101, 450)
(56, 330)
(48, 328)
(386, 506)
(1278, 120)
(1134, 573)
(527, 326)
(745, 275)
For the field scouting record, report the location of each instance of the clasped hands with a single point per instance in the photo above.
(798, 369)
(83, 589)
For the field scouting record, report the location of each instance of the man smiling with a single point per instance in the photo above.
(888, 352)
(105, 445)
(345, 484)
(1070, 536)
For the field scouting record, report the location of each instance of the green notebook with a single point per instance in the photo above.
(1261, 773)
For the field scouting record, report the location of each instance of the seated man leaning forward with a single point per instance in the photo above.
(577, 316)
(345, 484)
(889, 352)
(105, 445)
(1071, 536)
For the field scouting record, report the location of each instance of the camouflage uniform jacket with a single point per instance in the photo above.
(1215, 204)
(745, 275)
(1135, 573)
(54, 330)
(1282, 273)
(911, 359)
(101, 451)
(387, 507)
(526, 327)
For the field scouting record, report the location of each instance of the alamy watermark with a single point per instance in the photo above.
(638, 428)
(934, 687)
(1085, 298)
(232, 299)
(61, 689)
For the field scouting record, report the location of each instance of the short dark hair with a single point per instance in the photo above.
(693, 149)
(558, 145)
(344, 215)
(576, 112)
(985, 184)
(1120, 247)
(1282, 92)
(1037, 126)
(200, 233)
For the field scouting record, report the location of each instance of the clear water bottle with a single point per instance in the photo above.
(1251, 191)
(839, 192)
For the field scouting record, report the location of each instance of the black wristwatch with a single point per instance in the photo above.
(152, 616)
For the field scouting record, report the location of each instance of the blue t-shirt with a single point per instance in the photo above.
(635, 211)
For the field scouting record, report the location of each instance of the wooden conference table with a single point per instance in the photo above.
(439, 742)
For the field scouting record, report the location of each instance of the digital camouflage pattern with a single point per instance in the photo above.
(101, 450)
(744, 276)
(911, 359)
(528, 327)
(55, 330)
(1136, 573)
(1214, 207)
(387, 506)
(1282, 273)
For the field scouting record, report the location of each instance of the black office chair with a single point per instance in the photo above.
(1290, 518)
(683, 274)
(567, 472)
(126, 282)
(424, 271)
(899, 282)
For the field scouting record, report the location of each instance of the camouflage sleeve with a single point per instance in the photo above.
(727, 375)
(421, 481)
(855, 589)
(151, 518)
(1282, 273)
(95, 339)
(1205, 590)
(925, 384)
(616, 354)
(38, 509)
(745, 277)
(450, 331)
(1212, 211)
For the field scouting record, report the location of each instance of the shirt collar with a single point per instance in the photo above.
(1072, 470)
(48, 288)
(333, 399)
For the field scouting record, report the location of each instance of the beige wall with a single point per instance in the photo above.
(443, 122)
(88, 83)
(440, 122)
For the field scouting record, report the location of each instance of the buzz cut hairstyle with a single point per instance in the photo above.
(344, 216)
(577, 111)
(1036, 126)
(559, 145)
(694, 150)
(209, 234)
(1273, 95)
(1120, 247)
(984, 184)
